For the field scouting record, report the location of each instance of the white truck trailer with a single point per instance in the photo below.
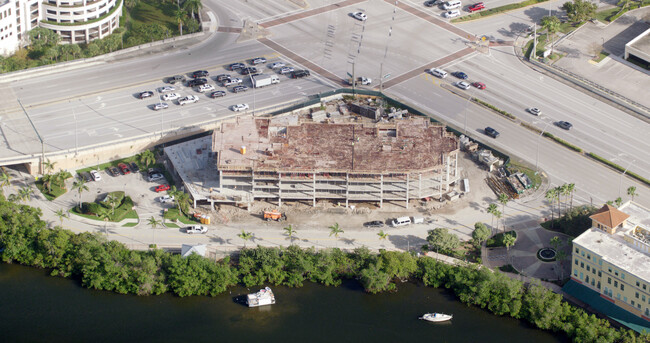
(265, 80)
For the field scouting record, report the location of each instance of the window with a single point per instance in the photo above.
(600, 262)
(600, 274)
(638, 284)
(637, 295)
(616, 272)
(587, 279)
(582, 264)
(577, 251)
(625, 299)
(593, 271)
(588, 257)
(609, 269)
(598, 285)
(588, 268)
(644, 286)
(575, 273)
(582, 253)
(638, 306)
(576, 261)
(622, 276)
(632, 302)
(615, 283)
(622, 287)
(643, 297)
(609, 280)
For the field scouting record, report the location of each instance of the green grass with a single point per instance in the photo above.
(508, 268)
(175, 214)
(154, 11)
(495, 109)
(172, 226)
(56, 190)
(601, 56)
(606, 14)
(573, 223)
(563, 142)
(497, 240)
(129, 224)
(496, 10)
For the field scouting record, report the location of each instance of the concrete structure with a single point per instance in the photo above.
(76, 21)
(613, 257)
(638, 49)
(189, 249)
(290, 158)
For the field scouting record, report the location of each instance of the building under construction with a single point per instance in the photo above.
(289, 159)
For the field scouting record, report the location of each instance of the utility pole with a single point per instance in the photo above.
(42, 171)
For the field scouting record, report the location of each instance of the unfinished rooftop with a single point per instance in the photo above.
(287, 144)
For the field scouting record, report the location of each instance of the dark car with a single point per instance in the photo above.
(124, 168)
(134, 167)
(145, 94)
(238, 89)
(200, 73)
(249, 70)
(460, 75)
(113, 171)
(564, 125)
(197, 82)
(374, 224)
(431, 3)
(217, 94)
(299, 73)
(222, 77)
(236, 66)
(491, 132)
(176, 79)
(85, 176)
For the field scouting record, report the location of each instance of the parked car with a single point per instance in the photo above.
(145, 94)
(176, 79)
(236, 66)
(196, 82)
(286, 70)
(258, 60)
(232, 82)
(217, 94)
(460, 75)
(165, 89)
(299, 73)
(85, 176)
(462, 85)
(162, 188)
(124, 168)
(359, 16)
(134, 167)
(438, 72)
(196, 229)
(205, 88)
(222, 77)
(160, 106)
(277, 65)
(165, 199)
(170, 96)
(491, 132)
(374, 224)
(190, 99)
(95, 175)
(240, 107)
(249, 70)
(238, 89)
(534, 111)
(564, 125)
(113, 171)
(200, 73)
(476, 7)
(479, 85)
(155, 177)
(451, 14)
(431, 3)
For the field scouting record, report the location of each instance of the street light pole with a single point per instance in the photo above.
(620, 183)
(538, 138)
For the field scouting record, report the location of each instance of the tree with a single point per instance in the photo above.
(492, 210)
(25, 193)
(335, 230)
(498, 215)
(631, 191)
(558, 193)
(147, 158)
(618, 201)
(113, 201)
(61, 214)
(504, 199)
(572, 189)
(245, 236)
(48, 166)
(580, 10)
(81, 187)
(552, 25)
(192, 6)
(179, 16)
(5, 179)
(153, 222)
(130, 4)
(509, 240)
(192, 25)
(480, 233)
(442, 240)
(558, 244)
(290, 231)
(382, 236)
(42, 38)
(550, 196)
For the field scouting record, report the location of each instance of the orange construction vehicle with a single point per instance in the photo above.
(274, 215)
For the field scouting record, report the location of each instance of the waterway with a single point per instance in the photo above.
(35, 307)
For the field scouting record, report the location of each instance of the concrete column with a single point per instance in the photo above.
(347, 188)
(194, 203)
(220, 180)
(314, 190)
(87, 31)
(279, 189)
(420, 185)
(252, 181)
(381, 191)
(447, 181)
(407, 190)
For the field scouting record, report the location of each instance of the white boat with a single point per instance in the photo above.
(263, 297)
(436, 317)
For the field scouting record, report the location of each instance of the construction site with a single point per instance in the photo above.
(347, 159)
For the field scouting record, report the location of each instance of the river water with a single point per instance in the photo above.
(35, 307)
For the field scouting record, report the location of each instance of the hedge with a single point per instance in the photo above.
(496, 10)
(495, 109)
(619, 168)
(563, 142)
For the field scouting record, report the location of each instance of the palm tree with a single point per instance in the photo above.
(5, 179)
(25, 193)
(558, 193)
(48, 166)
(113, 201)
(147, 158)
(290, 231)
(81, 187)
(504, 199)
(557, 244)
(382, 236)
(572, 189)
(180, 15)
(552, 25)
(550, 197)
(61, 214)
(491, 210)
(154, 223)
(335, 230)
(192, 6)
(631, 191)
(508, 240)
(245, 236)
(498, 214)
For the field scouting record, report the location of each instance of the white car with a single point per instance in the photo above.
(166, 199)
(452, 14)
(366, 81)
(205, 88)
(359, 16)
(277, 65)
(535, 111)
(196, 229)
(233, 82)
(167, 89)
(240, 107)
(462, 85)
(95, 175)
(170, 96)
(160, 106)
(286, 70)
(155, 177)
(190, 99)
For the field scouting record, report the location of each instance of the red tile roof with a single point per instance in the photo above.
(609, 216)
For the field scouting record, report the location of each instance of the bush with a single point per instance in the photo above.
(495, 109)
(563, 142)
(496, 241)
(572, 223)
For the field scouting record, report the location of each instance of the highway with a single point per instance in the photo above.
(98, 104)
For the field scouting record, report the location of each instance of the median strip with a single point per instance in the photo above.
(496, 10)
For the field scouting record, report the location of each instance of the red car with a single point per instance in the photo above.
(476, 7)
(124, 168)
(479, 85)
(162, 188)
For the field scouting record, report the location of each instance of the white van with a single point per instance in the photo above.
(452, 5)
(438, 72)
(401, 221)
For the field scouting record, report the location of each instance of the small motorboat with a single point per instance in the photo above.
(436, 317)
